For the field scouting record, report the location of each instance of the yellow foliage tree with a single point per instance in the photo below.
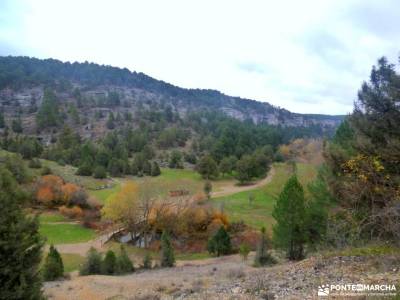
(123, 207)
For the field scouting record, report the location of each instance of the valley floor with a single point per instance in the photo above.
(231, 278)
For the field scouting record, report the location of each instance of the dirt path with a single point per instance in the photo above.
(83, 248)
(233, 189)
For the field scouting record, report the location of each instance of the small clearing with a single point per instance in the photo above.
(233, 189)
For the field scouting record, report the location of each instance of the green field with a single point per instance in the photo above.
(71, 261)
(178, 174)
(51, 218)
(62, 233)
(258, 213)
(103, 194)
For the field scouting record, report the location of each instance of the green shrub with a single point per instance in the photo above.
(16, 166)
(263, 257)
(155, 169)
(35, 164)
(100, 172)
(124, 264)
(167, 251)
(53, 267)
(109, 264)
(220, 243)
(207, 189)
(84, 170)
(92, 264)
(46, 171)
(147, 261)
(244, 251)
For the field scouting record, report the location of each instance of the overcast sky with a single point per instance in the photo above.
(306, 56)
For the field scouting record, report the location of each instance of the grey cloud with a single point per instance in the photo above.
(381, 18)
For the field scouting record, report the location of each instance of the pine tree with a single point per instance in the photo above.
(109, 264)
(99, 172)
(167, 251)
(53, 266)
(124, 264)
(220, 243)
(20, 244)
(48, 114)
(92, 264)
(155, 169)
(85, 169)
(207, 167)
(289, 213)
(262, 256)
(317, 210)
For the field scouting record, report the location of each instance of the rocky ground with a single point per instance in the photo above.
(231, 278)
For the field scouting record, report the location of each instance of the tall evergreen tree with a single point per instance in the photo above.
(109, 265)
(289, 213)
(317, 210)
(48, 114)
(53, 267)
(167, 251)
(20, 244)
(207, 167)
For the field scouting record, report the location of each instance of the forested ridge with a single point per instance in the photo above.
(104, 119)
(22, 72)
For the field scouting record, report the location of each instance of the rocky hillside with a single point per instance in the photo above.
(97, 90)
(230, 278)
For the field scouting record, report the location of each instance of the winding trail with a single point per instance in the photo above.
(233, 189)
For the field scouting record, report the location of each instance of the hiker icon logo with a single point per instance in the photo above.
(323, 290)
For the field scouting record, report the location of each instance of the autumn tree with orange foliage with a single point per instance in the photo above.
(48, 190)
(51, 191)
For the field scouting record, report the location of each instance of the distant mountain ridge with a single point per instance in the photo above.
(23, 73)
